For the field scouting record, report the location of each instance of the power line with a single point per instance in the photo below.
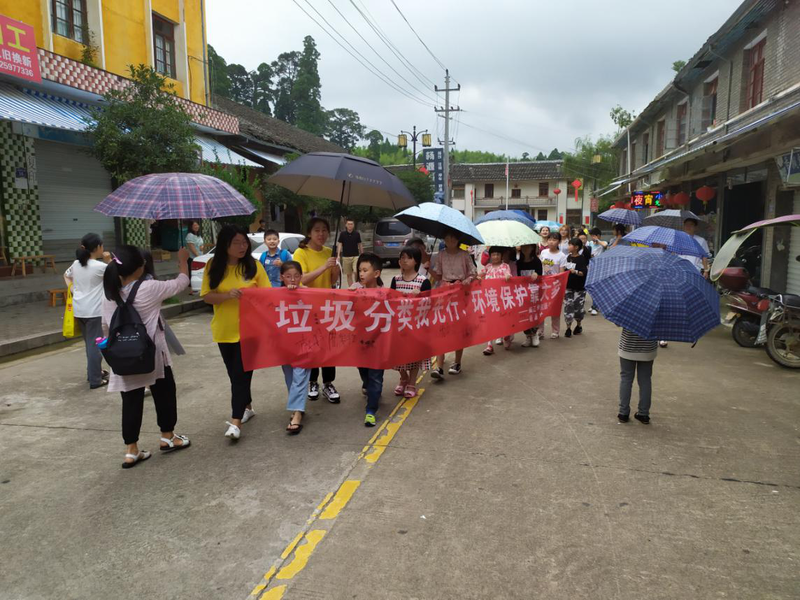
(373, 23)
(358, 33)
(441, 64)
(375, 72)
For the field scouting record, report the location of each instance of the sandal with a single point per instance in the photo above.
(137, 458)
(294, 428)
(410, 391)
(400, 389)
(171, 445)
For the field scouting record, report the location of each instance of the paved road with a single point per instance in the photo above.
(512, 481)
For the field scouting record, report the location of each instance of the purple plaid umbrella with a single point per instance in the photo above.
(161, 196)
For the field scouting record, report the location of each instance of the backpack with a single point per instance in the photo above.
(129, 351)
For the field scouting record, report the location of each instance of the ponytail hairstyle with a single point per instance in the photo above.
(247, 264)
(89, 243)
(309, 226)
(126, 260)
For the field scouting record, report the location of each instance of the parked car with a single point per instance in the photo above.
(288, 241)
(389, 237)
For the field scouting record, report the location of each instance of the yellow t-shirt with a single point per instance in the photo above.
(311, 260)
(225, 324)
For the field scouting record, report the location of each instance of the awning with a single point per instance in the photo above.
(212, 151)
(269, 157)
(38, 108)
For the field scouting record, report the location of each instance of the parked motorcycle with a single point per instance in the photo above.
(746, 304)
(780, 330)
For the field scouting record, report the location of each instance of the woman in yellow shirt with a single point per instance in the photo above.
(319, 271)
(232, 269)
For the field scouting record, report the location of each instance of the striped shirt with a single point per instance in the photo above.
(633, 347)
(409, 287)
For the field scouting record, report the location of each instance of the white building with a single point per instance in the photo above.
(479, 188)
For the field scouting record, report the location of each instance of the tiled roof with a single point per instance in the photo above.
(518, 171)
(274, 131)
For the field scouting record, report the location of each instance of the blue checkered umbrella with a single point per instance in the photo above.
(621, 215)
(654, 293)
(672, 240)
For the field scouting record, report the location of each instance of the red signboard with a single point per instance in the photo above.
(383, 328)
(594, 205)
(18, 54)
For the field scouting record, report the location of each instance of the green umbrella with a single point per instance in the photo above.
(508, 233)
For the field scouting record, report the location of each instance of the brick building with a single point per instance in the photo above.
(730, 120)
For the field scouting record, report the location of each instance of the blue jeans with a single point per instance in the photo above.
(372, 379)
(296, 384)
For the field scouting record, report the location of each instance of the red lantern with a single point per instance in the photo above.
(680, 199)
(619, 204)
(629, 206)
(705, 194)
(556, 191)
(667, 201)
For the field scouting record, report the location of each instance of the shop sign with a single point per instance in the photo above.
(18, 54)
(650, 199)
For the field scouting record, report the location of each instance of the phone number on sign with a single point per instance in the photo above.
(12, 68)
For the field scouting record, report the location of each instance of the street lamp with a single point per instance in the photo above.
(402, 142)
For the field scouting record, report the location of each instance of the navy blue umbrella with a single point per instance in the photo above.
(621, 215)
(507, 215)
(654, 293)
(672, 240)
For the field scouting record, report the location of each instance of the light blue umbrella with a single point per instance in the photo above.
(621, 215)
(551, 224)
(438, 220)
(653, 293)
(506, 215)
(672, 240)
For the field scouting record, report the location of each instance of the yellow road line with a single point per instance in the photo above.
(333, 504)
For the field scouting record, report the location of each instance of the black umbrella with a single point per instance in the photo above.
(348, 179)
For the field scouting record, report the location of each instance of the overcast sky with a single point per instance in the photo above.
(538, 73)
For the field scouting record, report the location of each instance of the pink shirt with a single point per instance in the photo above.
(497, 271)
(148, 304)
(454, 267)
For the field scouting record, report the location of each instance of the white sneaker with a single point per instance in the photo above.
(528, 341)
(249, 413)
(233, 432)
(553, 336)
(536, 341)
(498, 341)
(594, 311)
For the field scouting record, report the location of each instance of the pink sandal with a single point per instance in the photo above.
(400, 389)
(410, 391)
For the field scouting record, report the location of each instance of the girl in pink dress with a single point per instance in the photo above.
(497, 269)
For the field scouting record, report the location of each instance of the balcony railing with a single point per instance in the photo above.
(519, 200)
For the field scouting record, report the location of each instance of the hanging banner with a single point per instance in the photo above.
(382, 328)
(18, 54)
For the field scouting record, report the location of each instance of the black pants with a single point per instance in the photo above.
(240, 379)
(164, 398)
(328, 374)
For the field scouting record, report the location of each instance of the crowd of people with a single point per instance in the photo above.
(103, 282)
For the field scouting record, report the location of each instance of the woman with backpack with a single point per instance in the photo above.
(125, 289)
(232, 269)
(85, 275)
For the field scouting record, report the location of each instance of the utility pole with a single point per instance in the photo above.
(447, 109)
(402, 142)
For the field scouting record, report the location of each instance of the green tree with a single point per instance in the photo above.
(621, 117)
(142, 129)
(285, 69)
(241, 84)
(218, 72)
(678, 65)
(307, 90)
(343, 127)
(262, 88)
(555, 154)
(419, 184)
(375, 139)
(240, 179)
(593, 161)
(526, 156)
(540, 156)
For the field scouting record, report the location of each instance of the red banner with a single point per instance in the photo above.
(18, 54)
(383, 328)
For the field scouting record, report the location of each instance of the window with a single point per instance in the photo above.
(69, 19)
(516, 193)
(458, 191)
(290, 244)
(393, 227)
(164, 42)
(710, 103)
(646, 148)
(680, 119)
(755, 74)
(488, 190)
(661, 128)
(544, 189)
(541, 214)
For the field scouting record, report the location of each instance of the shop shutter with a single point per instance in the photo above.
(71, 184)
(793, 270)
